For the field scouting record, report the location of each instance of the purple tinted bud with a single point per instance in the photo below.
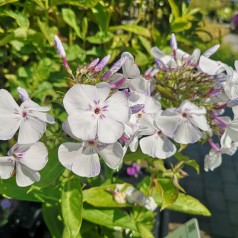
(102, 63)
(137, 108)
(119, 83)
(154, 72)
(148, 71)
(160, 65)
(131, 171)
(173, 42)
(93, 63)
(23, 94)
(137, 167)
(59, 47)
(6, 203)
(211, 51)
(126, 92)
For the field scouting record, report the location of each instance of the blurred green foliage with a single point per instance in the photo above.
(88, 29)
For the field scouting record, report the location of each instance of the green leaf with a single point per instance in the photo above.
(188, 204)
(133, 156)
(102, 196)
(21, 19)
(138, 30)
(146, 43)
(3, 2)
(174, 8)
(109, 217)
(169, 192)
(100, 37)
(102, 16)
(51, 218)
(70, 18)
(6, 39)
(71, 205)
(144, 231)
(180, 24)
(78, 3)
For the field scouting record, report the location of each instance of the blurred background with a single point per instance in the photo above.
(91, 29)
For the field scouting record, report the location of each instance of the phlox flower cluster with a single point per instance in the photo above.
(178, 101)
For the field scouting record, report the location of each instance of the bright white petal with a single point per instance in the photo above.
(186, 133)
(35, 157)
(209, 66)
(87, 164)
(9, 124)
(30, 105)
(109, 130)
(112, 154)
(66, 128)
(7, 165)
(43, 116)
(157, 147)
(200, 121)
(7, 103)
(31, 130)
(226, 140)
(213, 161)
(26, 176)
(10, 117)
(118, 108)
(81, 160)
(68, 153)
(129, 68)
(83, 125)
(168, 124)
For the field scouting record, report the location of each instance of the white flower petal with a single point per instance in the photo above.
(30, 105)
(26, 176)
(10, 117)
(87, 165)
(9, 124)
(66, 128)
(109, 130)
(7, 103)
(31, 130)
(200, 121)
(157, 147)
(83, 125)
(6, 166)
(118, 108)
(168, 124)
(35, 157)
(82, 161)
(112, 154)
(46, 117)
(129, 68)
(68, 153)
(212, 161)
(186, 133)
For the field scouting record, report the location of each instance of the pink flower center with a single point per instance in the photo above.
(184, 115)
(24, 114)
(97, 110)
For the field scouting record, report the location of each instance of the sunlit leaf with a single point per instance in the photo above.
(100, 37)
(71, 205)
(109, 217)
(70, 18)
(21, 19)
(78, 3)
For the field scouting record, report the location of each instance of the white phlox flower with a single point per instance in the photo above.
(95, 113)
(184, 124)
(134, 196)
(30, 118)
(26, 160)
(155, 143)
(214, 158)
(82, 158)
(150, 106)
(230, 134)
